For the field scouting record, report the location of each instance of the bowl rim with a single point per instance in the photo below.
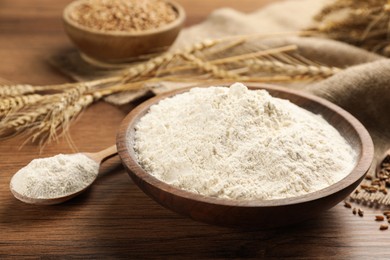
(363, 161)
(181, 15)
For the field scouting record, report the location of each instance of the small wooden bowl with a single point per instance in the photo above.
(255, 213)
(117, 46)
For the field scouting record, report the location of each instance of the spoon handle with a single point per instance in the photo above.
(104, 154)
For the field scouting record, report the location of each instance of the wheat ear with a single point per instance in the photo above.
(47, 115)
(362, 23)
(15, 90)
(60, 120)
(292, 69)
(38, 118)
(16, 103)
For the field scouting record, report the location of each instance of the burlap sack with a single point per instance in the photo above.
(363, 88)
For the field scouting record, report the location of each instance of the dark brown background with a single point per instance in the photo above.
(114, 218)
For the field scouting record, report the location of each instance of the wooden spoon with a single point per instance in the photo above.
(98, 157)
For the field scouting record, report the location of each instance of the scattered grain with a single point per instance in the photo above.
(360, 212)
(347, 204)
(379, 218)
(375, 182)
(368, 177)
(384, 227)
(372, 189)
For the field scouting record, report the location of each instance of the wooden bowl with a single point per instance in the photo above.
(255, 213)
(118, 46)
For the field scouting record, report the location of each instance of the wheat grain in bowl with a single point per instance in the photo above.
(239, 156)
(123, 15)
(120, 31)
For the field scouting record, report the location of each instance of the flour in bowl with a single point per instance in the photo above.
(240, 144)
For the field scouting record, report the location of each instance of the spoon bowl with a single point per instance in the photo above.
(98, 157)
(254, 213)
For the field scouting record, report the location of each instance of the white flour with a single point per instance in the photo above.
(55, 176)
(239, 144)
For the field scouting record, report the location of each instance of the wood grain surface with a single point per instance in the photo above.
(114, 219)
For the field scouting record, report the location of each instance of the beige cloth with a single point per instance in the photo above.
(363, 88)
(281, 17)
(364, 91)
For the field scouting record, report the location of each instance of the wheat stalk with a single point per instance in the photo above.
(59, 119)
(15, 90)
(44, 113)
(292, 69)
(363, 23)
(208, 67)
(18, 123)
(147, 68)
(39, 118)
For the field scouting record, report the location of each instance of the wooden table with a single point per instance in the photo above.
(114, 218)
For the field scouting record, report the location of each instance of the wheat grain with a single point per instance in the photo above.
(71, 95)
(291, 69)
(35, 118)
(16, 103)
(15, 90)
(200, 46)
(123, 15)
(18, 122)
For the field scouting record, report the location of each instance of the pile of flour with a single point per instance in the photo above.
(56, 176)
(240, 144)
